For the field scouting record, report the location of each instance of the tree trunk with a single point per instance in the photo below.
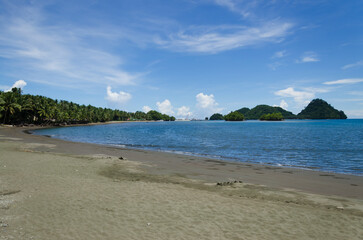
(5, 116)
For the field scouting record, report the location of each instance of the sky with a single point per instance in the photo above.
(186, 58)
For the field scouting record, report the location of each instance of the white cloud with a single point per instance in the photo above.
(202, 39)
(184, 112)
(284, 105)
(345, 81)
(18, 84)
(308, 57)
(280, 54)
(146, 109)
(207, 104)
(357, 64)
(117, 98)
(300, 97)
(206, 101)
(165, 107)
(72, 56)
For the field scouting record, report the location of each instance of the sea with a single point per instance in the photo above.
(323, 145)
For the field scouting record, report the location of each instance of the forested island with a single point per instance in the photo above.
(21, 109)
(316, 109)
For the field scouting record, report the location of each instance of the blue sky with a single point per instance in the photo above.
(186, 58)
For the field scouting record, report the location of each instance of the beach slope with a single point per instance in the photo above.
(53, 189)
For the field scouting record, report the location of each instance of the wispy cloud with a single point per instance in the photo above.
(280, 54)
(308, 57)
(355, 113)
(27, 37)
(358, 93)
(345, 81)
(237, 7)
(300, 97)
(353, 65)
(204, 39)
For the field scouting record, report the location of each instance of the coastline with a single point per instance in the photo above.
(58, 189)
(208, 169)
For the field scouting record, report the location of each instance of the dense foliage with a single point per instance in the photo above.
(216, 116)
(16, 108)
(272, 117)
(320, 109)
(259, 110)
(244, 111)
(234, 116)
(317, 109)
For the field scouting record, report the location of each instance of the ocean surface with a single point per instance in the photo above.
(324, 145)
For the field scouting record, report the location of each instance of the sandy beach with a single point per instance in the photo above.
(55, 189)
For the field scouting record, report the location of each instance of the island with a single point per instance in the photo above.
(234, 116)
(320, 109)
(272, 117)
(316, 109)
(216, 116)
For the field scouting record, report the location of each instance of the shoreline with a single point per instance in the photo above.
(216, 170)
(190, 154)
(55, 189)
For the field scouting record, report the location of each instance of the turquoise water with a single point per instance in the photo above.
(325, 145)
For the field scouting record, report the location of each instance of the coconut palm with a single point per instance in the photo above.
(9, 105)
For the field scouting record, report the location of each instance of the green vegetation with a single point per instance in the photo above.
(216, 116)
(16, 108)
(244, 111)
(234, 116)
(317, 109)
(259, 110)
(272, 117)
(320, 109)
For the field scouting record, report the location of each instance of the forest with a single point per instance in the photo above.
(22, 109)
(316, 109)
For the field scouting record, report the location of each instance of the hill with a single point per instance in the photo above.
(256, 112)
(320, 109)
(217, 116)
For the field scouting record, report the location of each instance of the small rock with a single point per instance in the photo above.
(148, 224)
(4, 225)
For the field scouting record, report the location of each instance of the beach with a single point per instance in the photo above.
(55, 189)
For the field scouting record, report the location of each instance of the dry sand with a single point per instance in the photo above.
(53, 189)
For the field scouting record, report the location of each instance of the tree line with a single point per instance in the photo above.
(17, 108)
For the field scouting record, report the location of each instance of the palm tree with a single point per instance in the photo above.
(9, 105)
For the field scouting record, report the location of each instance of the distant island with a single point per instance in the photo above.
(319, 109)
(316, 109)
(272, 117)
(21, 109)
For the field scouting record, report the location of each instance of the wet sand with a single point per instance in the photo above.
(54, 189)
